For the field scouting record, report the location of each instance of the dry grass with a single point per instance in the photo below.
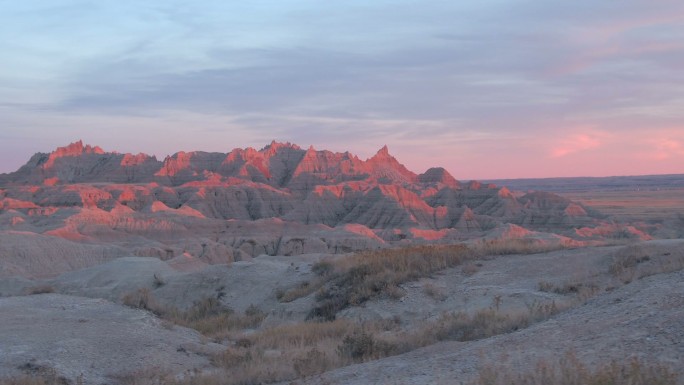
(355, 279)
(639, 261)
(352, 280)
(571, 371)
(288, 352)
(492, 247)
(484, 323)
(580, 289)
(208, 316)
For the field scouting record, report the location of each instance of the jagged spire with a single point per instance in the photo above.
(384, 151)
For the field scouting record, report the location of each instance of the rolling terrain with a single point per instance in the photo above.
(285, 265)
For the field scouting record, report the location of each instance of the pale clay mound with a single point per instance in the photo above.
(93, 339)
(35, 255)
(239, 285)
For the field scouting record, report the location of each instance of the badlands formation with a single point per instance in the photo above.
(104, 257)
(80, 206)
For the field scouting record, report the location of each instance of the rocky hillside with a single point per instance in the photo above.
(280, 199)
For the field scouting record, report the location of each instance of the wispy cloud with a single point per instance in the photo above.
(589, 139)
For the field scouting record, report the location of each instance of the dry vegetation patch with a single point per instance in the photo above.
(639, 261)
(571, 371)
(355, 279)
(487, 247)
(288, 352)
(208, 316)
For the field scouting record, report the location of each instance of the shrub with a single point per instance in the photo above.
(142, 299)
(434, 292)
(41, 289)
(323, 268)
(470, 268)
(357, 347)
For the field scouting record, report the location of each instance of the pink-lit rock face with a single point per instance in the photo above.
(612, 230)
(280, 199)
(575, 210)
(175, 164)
(14, 204)
(384, 166)
(430, 235)
(130, 160)
(72, 150)
(51, 181)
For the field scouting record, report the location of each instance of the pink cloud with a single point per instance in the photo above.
(666, 148)
(579, 142)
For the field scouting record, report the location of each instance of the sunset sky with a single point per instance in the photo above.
(487, 89)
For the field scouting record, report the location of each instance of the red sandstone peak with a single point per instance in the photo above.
(134, 160)
(274, 146)
(505, 193)
(383, 152)
(438, 175)
(175, 163)
(73, 149)
(384, 165)
(310, 152)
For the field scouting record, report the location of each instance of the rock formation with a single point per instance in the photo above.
(280, 199)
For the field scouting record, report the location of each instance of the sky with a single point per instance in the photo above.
(486, 89)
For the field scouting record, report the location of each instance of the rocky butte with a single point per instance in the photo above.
(211, 207)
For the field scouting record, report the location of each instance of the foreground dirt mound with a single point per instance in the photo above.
(644, 319)
(33, 255)
(93, 340)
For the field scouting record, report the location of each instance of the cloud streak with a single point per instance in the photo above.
(579, 142)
